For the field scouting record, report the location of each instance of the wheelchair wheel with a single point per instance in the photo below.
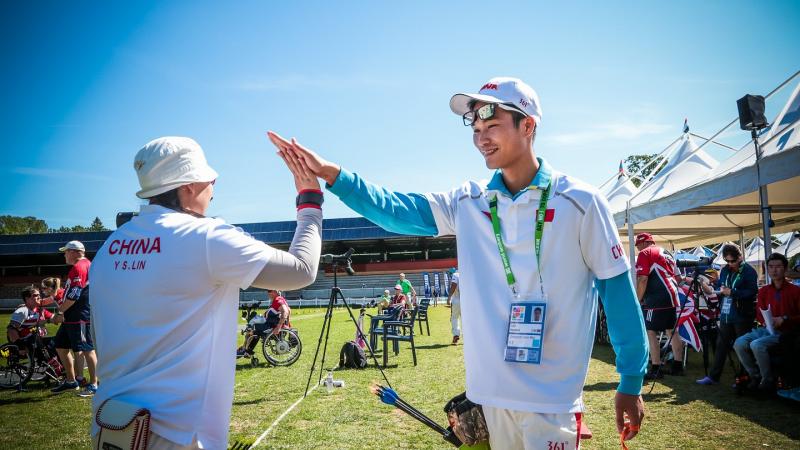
(283, 349)
(15, 369)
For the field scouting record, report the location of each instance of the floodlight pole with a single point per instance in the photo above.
(766, 211)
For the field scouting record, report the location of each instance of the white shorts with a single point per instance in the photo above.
(156, 442)
(509, 429)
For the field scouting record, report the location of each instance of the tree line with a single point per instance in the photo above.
(33, 225)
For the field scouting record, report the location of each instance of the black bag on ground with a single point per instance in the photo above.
(352, 356)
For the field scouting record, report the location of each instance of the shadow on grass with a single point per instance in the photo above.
(433, 346)
(766, 412)
(249, 402)
(15, 399)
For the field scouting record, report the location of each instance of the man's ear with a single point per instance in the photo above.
(530, 126)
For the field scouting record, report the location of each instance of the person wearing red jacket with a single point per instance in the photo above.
(782, 299)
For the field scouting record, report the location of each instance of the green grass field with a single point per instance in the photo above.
(680, 414)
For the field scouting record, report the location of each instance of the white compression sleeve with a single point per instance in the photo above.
(296, 268)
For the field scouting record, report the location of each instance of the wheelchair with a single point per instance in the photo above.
(29, 359)
(283, 349)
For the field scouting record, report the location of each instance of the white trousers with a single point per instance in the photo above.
(455, 316)
(512, 430)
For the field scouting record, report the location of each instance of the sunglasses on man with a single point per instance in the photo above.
(486, 112)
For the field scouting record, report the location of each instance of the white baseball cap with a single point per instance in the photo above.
(73, 245)
(503, 91)
(169, 162)
(398, 287)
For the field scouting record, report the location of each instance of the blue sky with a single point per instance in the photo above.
(367, 84)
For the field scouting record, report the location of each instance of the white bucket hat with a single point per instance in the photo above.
(166, 163)
(503, 91)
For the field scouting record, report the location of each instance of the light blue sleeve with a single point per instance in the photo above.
(392, 211)
(626, 329)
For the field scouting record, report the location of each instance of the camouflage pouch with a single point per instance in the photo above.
(467, 420)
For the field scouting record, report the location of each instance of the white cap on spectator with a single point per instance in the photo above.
(169, 162)
(502, 91)
(73, 245)
(397, 286)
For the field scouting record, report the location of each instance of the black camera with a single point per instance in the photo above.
(703, 261)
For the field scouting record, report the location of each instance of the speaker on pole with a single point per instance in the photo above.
(751, 112)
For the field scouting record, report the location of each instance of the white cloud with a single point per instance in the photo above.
(619, 131)
(56, 173)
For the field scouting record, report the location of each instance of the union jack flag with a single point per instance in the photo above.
(687, 319)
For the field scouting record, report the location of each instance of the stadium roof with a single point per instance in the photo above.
(336, 234)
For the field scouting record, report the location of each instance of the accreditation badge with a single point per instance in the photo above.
(726, 306)
(526, 326)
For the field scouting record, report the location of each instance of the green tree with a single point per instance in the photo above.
(634, 163)
(22, 225)
(97, 225)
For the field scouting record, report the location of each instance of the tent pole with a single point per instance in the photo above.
(631, 243)
(741, 240)
(766, 213)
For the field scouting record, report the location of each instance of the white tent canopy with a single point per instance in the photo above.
(619, 192)
(754, 253)
(791, 247)
(723, 203)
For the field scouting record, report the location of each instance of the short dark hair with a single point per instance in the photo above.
(28, 291)
(778, 257)
(167, 199)
(731, 250)
(516, 116)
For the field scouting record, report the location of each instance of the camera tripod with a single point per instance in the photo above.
(336, 294)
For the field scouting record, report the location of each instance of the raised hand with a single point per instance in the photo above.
(304, 177)
(321, 167)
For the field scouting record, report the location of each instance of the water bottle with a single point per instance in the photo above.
(329, 382)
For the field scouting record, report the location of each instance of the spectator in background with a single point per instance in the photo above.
(53, 294)
(386, 299)
(738, 287)
(782, 299)
(657, 289)
(25, 319)
(274, 318)
(74, 334)
(398, 303)
(408, 290)
(454, 302)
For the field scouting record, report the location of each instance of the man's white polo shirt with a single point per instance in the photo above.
(580, 243)
(165, 290)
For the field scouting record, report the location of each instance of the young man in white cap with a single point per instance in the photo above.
(74, 338)
(165, 291)
(530, 237)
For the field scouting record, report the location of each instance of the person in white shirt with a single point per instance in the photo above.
(530, 237)
(454, 302)
(165, 291)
